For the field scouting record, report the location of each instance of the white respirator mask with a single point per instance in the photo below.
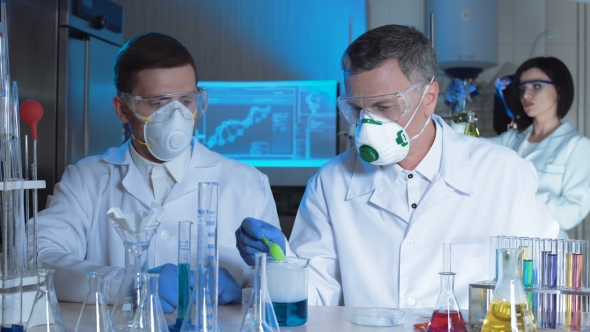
(381, 141)
(166, 140)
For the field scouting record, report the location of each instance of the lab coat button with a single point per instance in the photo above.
(165, 235)
(411, 242)
(414, 205)
(410, 176)
(411, 301)
(161, 201)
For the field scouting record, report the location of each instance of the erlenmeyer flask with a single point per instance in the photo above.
(447, 315)
(45, 315)
(95, 315)
(150, 316)
(129, 295)
(509, 309)
(259, 315)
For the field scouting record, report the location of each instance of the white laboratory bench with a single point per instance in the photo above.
(320, 319)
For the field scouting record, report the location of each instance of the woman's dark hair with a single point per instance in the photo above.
(558, 73)
(151, 50)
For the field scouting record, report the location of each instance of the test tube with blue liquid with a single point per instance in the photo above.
(201, 313)
(184, 272)
(525, 245)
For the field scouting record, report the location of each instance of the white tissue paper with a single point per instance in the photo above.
(136, 221)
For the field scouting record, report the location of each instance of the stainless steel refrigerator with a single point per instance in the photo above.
(61, 54)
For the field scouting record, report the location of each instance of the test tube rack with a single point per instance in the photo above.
(481, 293)
(29, 278)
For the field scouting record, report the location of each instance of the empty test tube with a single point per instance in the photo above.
(493, 246)
(513, 242)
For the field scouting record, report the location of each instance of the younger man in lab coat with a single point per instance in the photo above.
(373, 219)
(156, 80)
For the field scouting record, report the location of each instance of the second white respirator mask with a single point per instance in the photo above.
(381, 141)
(167, 140)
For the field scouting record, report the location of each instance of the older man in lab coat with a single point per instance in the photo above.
(158, 96)
(373, 219)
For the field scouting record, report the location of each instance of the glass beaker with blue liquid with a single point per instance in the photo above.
(287, 287)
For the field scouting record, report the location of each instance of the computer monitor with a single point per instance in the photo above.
(286, 129)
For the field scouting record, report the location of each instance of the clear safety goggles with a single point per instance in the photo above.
(392, 106)
(533, 87)
(145, 108)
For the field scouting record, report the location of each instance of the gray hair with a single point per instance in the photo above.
(417, 59)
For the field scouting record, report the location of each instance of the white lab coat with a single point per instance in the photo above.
(563, 167)
(75, 235)
(345, 220)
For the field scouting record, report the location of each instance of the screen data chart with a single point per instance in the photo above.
(278, 124)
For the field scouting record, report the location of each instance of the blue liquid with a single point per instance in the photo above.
(183, 289)
(292, 313)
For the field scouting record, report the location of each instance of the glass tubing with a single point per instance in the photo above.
(553, 264)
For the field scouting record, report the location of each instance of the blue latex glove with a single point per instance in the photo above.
(249, 235)
(228, 290)
(456, 92)
(168, 286)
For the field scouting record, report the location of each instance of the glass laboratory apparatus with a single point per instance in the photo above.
(13, 263)
(470, 127)
(150, 316)
(447, 315)
(463, 115)
(129, 295)
(45, 315)
(509, 309)
(259, 315)
(201, 312)
(95, 315)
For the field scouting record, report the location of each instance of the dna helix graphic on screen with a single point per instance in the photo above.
(229, 130)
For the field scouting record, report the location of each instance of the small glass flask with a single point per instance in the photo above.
(45, 315)
(150, 316)
(509, 309)
(136, 252)
(447, 316)
(259, 315)
(95, 315)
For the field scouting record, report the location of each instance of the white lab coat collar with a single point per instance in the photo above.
(430, 164)
(565, 129)
(201, 157)
(454, 169)
(176, 167)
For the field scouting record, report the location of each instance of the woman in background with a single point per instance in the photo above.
(560, 154)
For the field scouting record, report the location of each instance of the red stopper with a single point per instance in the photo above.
(31, 112)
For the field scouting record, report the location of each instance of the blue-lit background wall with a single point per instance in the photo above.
(255, 40)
